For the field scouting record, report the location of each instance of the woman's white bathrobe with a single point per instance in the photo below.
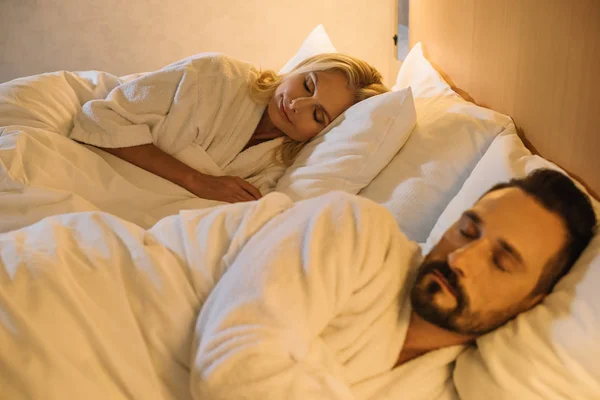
(198, 110)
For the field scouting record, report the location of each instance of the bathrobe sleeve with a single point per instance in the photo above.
(154, 108)
(257, 336)
(162, 107)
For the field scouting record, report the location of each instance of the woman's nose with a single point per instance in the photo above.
(300, 103)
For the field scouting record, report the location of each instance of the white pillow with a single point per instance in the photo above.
(353, 149)
(317, 42)
(552, 351)
(449, 138)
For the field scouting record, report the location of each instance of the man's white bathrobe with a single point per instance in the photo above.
(262, 300)
(198, 109)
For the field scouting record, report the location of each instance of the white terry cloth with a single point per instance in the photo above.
(198, 109)
(316, 306)
(305, 301)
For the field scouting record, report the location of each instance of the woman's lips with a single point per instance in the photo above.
(438, 275)
(282, 109)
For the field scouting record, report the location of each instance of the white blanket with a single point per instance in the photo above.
(303, 302)
(43, 174)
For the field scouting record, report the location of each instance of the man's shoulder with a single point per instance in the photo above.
(367, 214)
(344, 199)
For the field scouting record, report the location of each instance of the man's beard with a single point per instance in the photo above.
(461, 318)
(423, 297)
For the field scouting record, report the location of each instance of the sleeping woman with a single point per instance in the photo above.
(217, 126)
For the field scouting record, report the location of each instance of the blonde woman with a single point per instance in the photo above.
(217, 126)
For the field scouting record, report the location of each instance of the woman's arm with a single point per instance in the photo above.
(223, 188)
(136, 113)
(153, 159)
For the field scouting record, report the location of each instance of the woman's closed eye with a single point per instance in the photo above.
(308, 84)
(318, 116)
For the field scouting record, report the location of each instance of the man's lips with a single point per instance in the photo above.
(282, 109)
(438, 275)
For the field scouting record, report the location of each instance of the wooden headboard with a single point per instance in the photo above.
(535, 60)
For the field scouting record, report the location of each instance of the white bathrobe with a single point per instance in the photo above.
(198, 109)
(316, 306)
(305, 301)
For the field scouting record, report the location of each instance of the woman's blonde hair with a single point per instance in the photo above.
(363, 79)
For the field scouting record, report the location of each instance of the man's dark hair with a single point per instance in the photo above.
(558, 194)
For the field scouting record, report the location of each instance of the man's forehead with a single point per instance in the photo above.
(510, 200)
(512, 215)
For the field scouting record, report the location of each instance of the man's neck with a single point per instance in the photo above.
(423, 337)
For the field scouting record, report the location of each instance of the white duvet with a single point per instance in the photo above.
(302, 302)
(43, 174)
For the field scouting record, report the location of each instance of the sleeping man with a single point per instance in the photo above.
(324, 299)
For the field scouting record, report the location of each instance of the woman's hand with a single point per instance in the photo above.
(231, 189)
(223, 188)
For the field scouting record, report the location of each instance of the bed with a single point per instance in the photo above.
(487, 93)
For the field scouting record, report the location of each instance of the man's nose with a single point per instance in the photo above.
(466, 261)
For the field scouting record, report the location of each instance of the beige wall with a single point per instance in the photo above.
(541, 68)
(124, 37)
